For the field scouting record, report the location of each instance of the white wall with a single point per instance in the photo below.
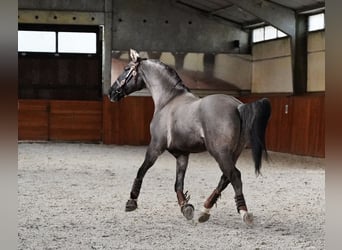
(232, 68)
(236, 69)
(194, 61)
(316, 61)
(272, 65)
(267, 70)
(168, 58)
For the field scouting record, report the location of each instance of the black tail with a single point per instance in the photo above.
(254, 117)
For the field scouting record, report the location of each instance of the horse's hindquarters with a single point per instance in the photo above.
(221, 123)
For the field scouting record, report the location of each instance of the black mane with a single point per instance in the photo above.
(172, 76)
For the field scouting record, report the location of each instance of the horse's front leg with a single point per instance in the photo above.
(183, 199)
(150, 158)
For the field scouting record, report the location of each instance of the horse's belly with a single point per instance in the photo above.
(190, 148)
(187, 142)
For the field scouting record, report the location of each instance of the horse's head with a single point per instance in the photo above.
(129, 80)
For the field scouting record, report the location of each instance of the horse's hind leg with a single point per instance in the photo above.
(240, 202)
(230, 175)
(209, 203)
(183, 200)
(234, 175)
(150, 158)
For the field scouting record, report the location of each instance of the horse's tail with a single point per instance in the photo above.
(254, 117)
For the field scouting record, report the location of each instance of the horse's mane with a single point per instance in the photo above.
(171, 75)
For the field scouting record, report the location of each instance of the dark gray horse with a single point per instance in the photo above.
(183, 123)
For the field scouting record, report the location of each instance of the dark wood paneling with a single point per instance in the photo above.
(76, 120)
(317, 126)
(127, 121)
(33, 120)
(308, 126)
(277, 137)
(60, 120)
(300, 130)
(59, 78)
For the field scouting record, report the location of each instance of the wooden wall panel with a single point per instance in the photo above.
(300, 110)
(60, 120)
(308, 126)
(59, 78)
(127, 121)
(317, 127)
(33, 120)
(76, 120)
(277, 137)
(300, 130)
(297, 129)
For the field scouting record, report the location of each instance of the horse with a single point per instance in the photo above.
(183, 123)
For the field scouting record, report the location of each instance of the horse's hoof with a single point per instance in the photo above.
(131, 205)
(188, 211)
(203, 217)
(247, 217)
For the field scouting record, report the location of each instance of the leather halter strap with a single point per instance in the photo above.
(131, 73)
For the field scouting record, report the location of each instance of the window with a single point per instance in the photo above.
(258, 35)
(77, 42)
(270, 32)
(267, 33)
(280, 34)
(55, 41)
(36, 41)
(316, 22)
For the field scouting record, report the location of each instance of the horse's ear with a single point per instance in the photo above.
(134, 55)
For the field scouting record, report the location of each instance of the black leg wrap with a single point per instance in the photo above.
(240, 202)
(212, 199)
(136, 188)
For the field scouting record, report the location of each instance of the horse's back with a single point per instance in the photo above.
(192, 124)
(219, 105)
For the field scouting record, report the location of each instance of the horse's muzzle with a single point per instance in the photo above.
(115, 95)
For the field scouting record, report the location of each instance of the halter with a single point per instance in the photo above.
(131, 73)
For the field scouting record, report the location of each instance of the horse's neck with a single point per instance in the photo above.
(160, 95)
(161, 89)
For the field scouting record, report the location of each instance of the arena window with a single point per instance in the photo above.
(266, 33)
(77, 42)
(316, 22)
(57, 40)
(36, 41)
